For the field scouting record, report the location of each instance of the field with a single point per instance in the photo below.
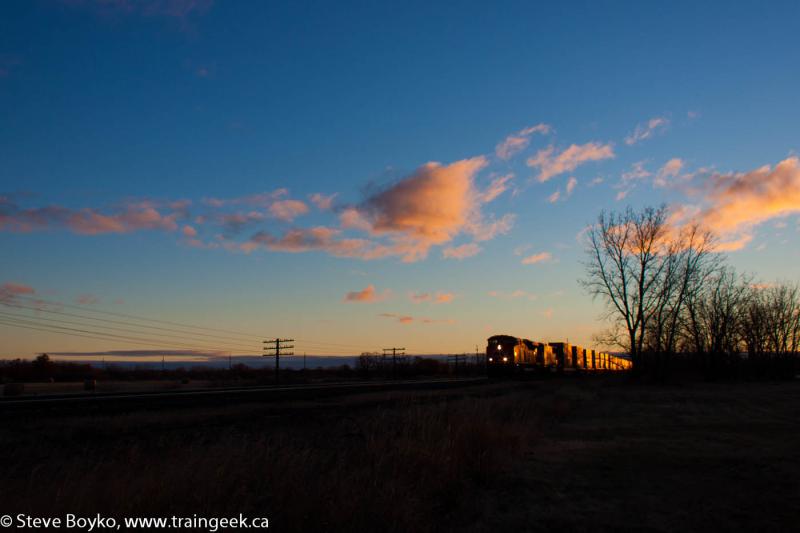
(585, 454)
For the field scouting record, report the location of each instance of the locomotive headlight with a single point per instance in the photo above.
(491, 359)
(505, 359)
(499, 347)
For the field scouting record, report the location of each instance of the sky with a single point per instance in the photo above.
(361, 175)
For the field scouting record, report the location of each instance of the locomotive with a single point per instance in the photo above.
(506, 354)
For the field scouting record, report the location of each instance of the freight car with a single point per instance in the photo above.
(507, 354)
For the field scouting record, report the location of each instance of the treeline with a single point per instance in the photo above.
(673, 301)
(45, 369)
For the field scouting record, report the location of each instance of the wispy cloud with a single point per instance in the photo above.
(85, 221)
(367, 295)
(513, 295)
(516, 142)
(322, 201)
(87, 299)
(671, 169)
(287, 210)
(407, 319)
(552, 163)
(461, 252)
(647, 130)
(438, 297)
(10, 290)
(541, 257)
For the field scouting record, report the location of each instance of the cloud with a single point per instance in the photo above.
(670, 170)
(516, 142)
(461, 252)
(572, 182)
(86, 221)
(262, 199)
(537, 258)
(438, 297)
(498, 186)
(647, 130)
(637, 172)
(189, 231)
(323, 202)
(287, 210)
(514, 295)
(406, 319)
(629, 179)
(552, 164)
(735, 203)
(319, 238)
(87, 299)
(366, 295)
(9, 291)
(429, 208)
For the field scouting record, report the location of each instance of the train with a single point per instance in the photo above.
(507, 353)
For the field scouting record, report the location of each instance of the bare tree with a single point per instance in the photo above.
(625, 268)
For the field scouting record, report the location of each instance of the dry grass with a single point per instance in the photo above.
(396, 468)
(581, 455)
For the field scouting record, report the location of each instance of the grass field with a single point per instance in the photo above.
(584, 454)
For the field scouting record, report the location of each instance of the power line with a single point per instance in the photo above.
(111, 335)
(44, 329)
(110, 321)
(250, 336)
(135, 317)
(124, 330)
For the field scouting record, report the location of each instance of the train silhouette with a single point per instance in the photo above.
(506, 354)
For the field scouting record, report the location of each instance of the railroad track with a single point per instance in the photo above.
(128, 400)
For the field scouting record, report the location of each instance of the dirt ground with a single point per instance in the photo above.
(576, 454)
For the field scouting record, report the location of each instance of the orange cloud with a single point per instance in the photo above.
(366, 295)
(551, 164)
(406, 319)
(516, 142)
(287, 210)
(572, 182)
(9, 291)
(439, 297)
(461, 252)
(319, 238)
(428, 208)
(537, 258)
(736, 203)
(322, 201)
(646, 130)
(84, 221)
(670, 170)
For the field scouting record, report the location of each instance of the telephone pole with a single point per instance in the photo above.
(276, 348)
(394, 352)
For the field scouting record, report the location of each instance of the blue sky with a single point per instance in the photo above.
(108, 105)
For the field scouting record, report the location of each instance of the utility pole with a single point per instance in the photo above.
(276, 348)
(394, 351)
